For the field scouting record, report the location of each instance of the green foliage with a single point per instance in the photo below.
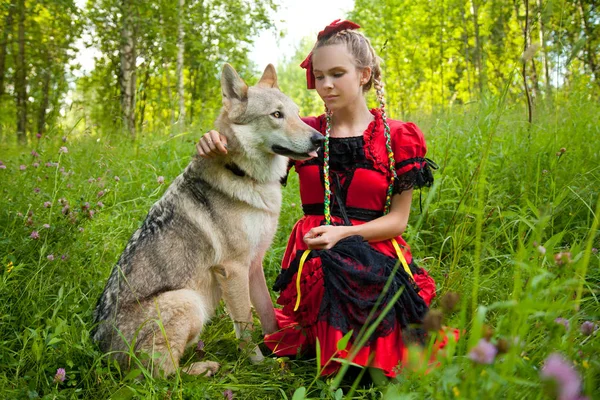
(479, 234)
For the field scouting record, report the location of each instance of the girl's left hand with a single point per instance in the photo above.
(324, 237)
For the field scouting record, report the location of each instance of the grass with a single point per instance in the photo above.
(506, 201)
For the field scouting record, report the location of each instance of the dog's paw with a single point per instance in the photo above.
(206, 368)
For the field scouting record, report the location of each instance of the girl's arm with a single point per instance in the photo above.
(386, 227)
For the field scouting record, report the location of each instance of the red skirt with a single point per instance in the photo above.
(300, 329)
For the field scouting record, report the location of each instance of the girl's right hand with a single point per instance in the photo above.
(211, 144)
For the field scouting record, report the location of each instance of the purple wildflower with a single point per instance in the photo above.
(100, 204)
(63, 149)
(35, 235)
(2, 166)
(22, 167)
(35, 164)
(483, 353)
(160, 180)
(85, 205)
(588, 327)
(562, 321)
(562, 372)
(60, 375)
(36, 190)
(228, 394)
(63, 257)
(65, 210)
(34, 153)
(51, 257)
(91, 180)
(38, 135)
(101, 193)
(200, 345)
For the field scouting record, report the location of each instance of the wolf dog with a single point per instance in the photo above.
(206, 237)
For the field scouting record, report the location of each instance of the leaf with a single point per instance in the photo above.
(299, 394)
(124, 393)
(343, 342)
(134, 373)
(318, 348)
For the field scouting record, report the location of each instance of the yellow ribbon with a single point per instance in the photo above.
(302, 259)
(402, 259)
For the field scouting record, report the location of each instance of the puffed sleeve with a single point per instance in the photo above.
(413, 169)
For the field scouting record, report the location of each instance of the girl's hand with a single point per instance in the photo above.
(212, 144)
(324, 237)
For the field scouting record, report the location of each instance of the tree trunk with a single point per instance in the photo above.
(465, 40)
(543, 45)
(589, 52)
(4, 42)
(180, 50)
(144, 98)
(128, 73)
(524, 59)
(20, 78)
(45, 97)
(478, 48)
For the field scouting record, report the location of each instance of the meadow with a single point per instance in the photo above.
(511, 225)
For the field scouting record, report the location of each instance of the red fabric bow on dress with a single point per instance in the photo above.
(334, 27)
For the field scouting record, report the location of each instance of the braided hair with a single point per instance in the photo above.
(364, 56)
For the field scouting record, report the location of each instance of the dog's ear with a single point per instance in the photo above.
(233, 87)
(269, 78)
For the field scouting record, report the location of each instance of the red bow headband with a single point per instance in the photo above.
(334, 27)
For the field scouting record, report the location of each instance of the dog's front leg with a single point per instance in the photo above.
(233, 279)
(261, 300)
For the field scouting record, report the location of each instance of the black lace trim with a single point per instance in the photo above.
(354, 276)
(361, 214)
(416, 177)
(344, 154)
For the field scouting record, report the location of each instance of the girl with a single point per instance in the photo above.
(356, 196)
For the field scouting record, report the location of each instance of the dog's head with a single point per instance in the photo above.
(263, 119)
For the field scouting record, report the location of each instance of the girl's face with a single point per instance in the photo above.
(338, 81)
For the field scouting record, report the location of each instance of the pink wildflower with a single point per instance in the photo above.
(85, 205)
(38, 135)
(46, 226)
(91, 180)
(483, 353)
(35, 235)
(562, 321)
(51, 257)
(65, 210)
(101, 193)
(588, 327)
(60, 376)
(36, 190)
(80, 229)
(47, 204)
(35, 164)
(63, 149)
(566, 377)
(228, 394)
(34, 153)
(63, 257)
(100, 204)
(22, 167)
(160, 180)
(2, 166)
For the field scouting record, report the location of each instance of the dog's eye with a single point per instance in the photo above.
(277, 114)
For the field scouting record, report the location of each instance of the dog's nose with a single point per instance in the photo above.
(317, 139)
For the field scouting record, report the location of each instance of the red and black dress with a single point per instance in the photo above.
(340, 287)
